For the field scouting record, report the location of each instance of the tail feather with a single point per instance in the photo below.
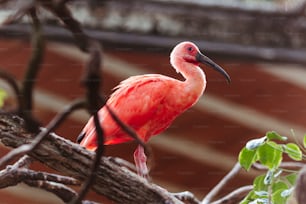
(80, 137)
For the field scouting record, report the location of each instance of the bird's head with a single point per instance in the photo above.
(190, 53)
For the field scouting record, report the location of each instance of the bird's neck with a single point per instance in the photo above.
(194, 84)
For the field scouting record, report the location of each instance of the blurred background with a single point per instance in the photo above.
(260, 43)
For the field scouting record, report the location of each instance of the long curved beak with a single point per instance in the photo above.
(205, 60)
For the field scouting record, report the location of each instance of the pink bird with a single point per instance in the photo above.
(149, 103)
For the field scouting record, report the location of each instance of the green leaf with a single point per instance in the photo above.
(259, 194)
(259, 184)
(278, 198)
(304, 141)
(250, 197)
(280, 185)
(270, 155)
(277, 190)
(3, 96)
(247, 158)
(293, 151)
(255, 143)
(291, 178)
(272, 135)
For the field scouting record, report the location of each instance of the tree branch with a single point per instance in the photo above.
(234, 171)
(12, 175)
(112, 180)
(235, 196)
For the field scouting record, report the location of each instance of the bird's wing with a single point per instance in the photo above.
(135, 101)
(137, 98)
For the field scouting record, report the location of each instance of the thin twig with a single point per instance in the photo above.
(25, 110)
(186, 196)
(13, 175)
(23, 8)
(61, 11)
(23, 162)
(14, 153)
(34, 63)
(62, 191)
(208, 198)
(235, 196)
(92, 81)
(99, 152)
(44, 176)
(291, 165)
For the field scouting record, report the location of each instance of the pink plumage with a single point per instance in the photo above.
(149, 103)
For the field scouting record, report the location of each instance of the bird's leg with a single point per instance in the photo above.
(141, 162)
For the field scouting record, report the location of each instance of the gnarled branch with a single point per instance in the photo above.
(112, 180)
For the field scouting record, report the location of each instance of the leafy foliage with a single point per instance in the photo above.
(277, 184)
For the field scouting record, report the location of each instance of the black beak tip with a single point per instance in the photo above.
(228, 80)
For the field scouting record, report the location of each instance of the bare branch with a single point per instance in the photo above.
(17, 173)
(287, 165)
(235, 196)
(187, 196)
(10, 176)
(44, 176)
(61, 11)
(62, 191)
(221, 184)
(13, 175)
(99, 152)
(92, 82)
(22, 8)
(24, 162)
(25, 108)
(14, 153)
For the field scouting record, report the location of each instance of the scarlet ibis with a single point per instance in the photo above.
(149, 103)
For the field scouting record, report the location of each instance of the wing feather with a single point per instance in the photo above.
(138, 97)
(136, 101)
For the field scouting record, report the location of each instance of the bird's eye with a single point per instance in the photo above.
(189, 49)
